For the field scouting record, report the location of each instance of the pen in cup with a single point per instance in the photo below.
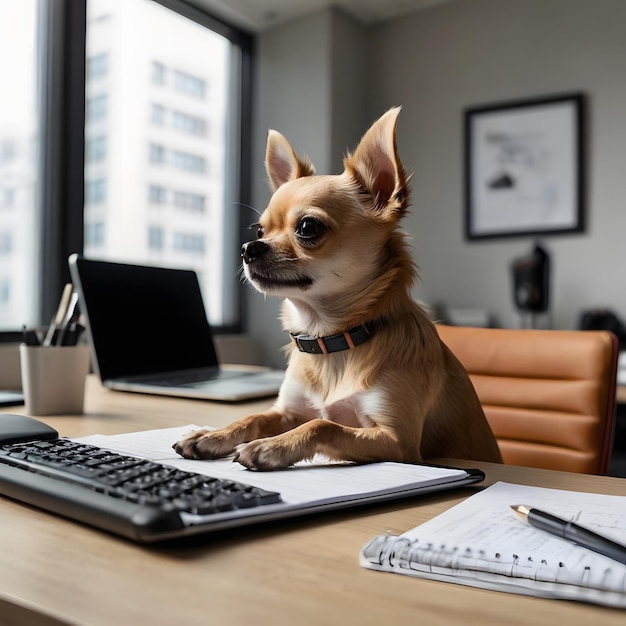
(71, 334)
(68, 322)
(64, 329)
(60, 315)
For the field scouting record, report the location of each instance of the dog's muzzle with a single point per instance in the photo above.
(252, 250)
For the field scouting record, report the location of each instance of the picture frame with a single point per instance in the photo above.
(524, 171)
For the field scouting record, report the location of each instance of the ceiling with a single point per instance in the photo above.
(259, 15)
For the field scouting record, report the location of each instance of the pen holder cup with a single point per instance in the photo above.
(53, 378)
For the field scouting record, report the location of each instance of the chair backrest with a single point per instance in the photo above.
(549, 395)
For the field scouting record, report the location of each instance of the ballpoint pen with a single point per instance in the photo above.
(572, 532)
(71, 334)
(64, 303)
(69, 320)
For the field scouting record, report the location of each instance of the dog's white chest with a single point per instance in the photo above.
(350, 410)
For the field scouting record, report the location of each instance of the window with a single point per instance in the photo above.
(96, 191)
(95, 149)
(189, 162)
(19, 170)
(191, 124)
(97, 108)
(193, 86)
(158, 114)
(94, 235)
(98, 135)
(7, 197)
(159, 71)
(8, 150)
(189, 201)
(157, 154)
(157, 194)
(97, 66)
(6, 243)
(156, 238)
(189, 243)
(5, 292)
(161, 129)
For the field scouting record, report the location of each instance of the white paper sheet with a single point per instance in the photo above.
(304, 483)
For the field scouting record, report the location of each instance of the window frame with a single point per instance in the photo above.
(62, 32)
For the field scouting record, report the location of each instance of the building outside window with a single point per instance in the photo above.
(157, 131)
(147, 149)
(19, 171)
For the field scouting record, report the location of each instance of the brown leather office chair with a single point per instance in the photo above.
(549, 395)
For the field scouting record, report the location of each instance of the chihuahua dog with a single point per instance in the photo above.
(368, 377)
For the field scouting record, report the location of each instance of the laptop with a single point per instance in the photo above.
(148, 332)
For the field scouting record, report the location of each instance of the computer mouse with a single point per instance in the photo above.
(16, 428)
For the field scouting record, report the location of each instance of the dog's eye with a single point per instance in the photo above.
(259, 229)
(309, 228)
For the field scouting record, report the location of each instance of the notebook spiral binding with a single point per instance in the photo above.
(400, 553)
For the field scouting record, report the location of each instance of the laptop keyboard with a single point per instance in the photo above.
(134, 497)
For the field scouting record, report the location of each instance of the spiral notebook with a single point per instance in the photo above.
(482, 543)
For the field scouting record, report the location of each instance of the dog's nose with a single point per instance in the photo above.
(252, 250)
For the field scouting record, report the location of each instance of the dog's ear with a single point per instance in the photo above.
(282, 163)
(378, 171)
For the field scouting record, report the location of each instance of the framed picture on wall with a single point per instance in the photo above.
(524, 167)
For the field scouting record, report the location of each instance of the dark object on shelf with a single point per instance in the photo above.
(531, 281)
(604, 319)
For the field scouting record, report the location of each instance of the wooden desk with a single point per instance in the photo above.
(302, 571)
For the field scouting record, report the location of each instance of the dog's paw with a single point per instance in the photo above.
(205, 444)
(265, 455)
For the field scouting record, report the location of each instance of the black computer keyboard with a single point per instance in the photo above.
(129, 496)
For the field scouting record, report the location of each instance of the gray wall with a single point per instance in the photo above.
(323, 79)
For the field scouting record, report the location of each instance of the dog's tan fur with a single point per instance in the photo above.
(401, 395)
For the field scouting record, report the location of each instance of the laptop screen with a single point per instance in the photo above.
(143, 320)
